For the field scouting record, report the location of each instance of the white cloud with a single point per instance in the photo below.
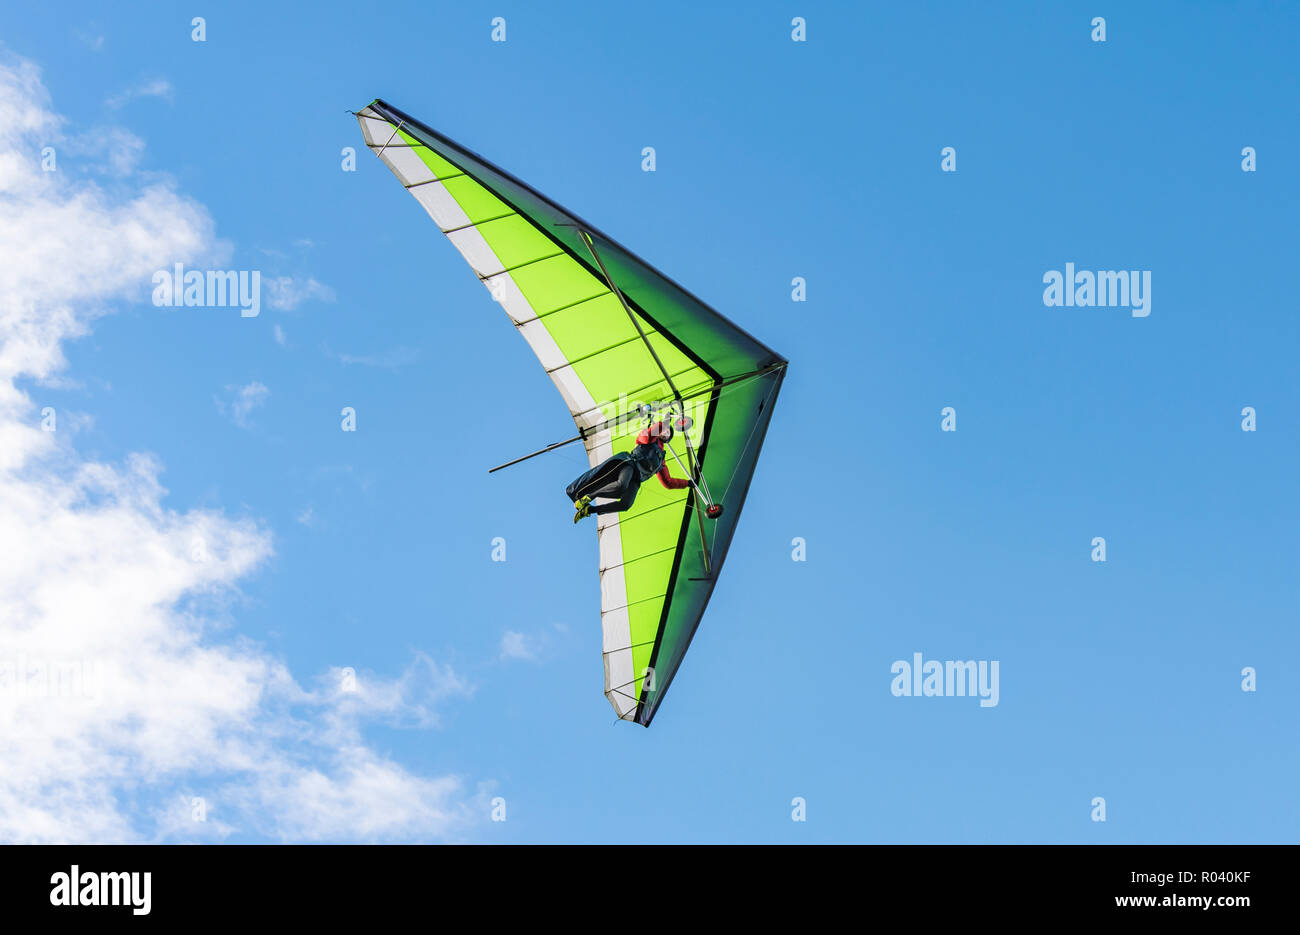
(90, 40)
(387, 360)
(129, 601)
(287, 293)
(155, 87)
(410, 699)
(516, 645)
(107, 150)
(280, 337)
(243, 400)
(124, 150)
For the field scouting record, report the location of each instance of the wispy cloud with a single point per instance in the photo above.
(280, 337)
(392, 359)
(287, 293)
(412, 699)
(111, 150)
(516, 645)
(123, 150)
(91, 40)
(241, 401)
(154, 87)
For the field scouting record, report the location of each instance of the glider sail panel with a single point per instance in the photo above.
(658, 560)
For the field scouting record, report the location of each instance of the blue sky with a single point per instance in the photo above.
(775, 159)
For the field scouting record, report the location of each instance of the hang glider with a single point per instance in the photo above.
(623, 344)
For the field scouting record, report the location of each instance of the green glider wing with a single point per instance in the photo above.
(609, 352)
